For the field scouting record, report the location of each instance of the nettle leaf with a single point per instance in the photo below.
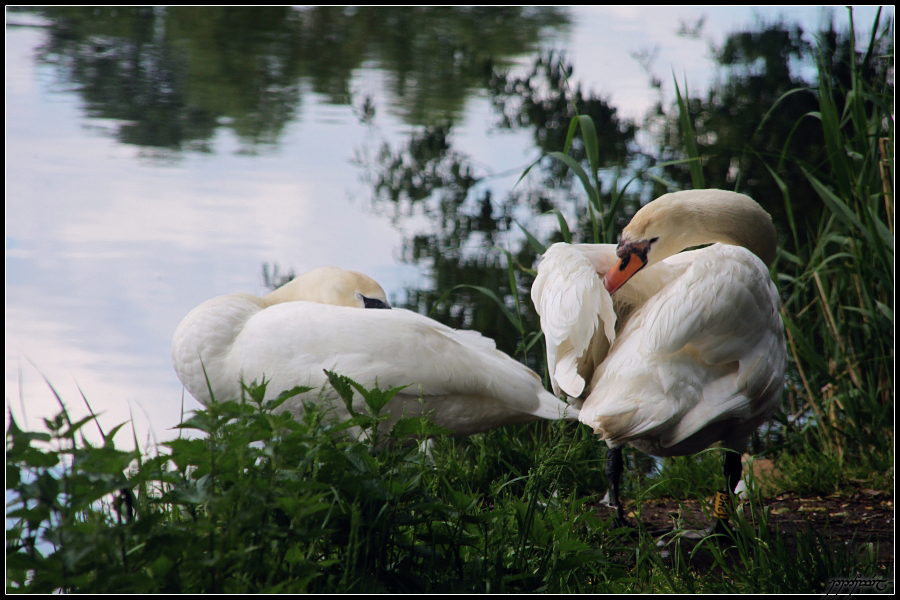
(417, 426)
(376, 399)
(342, 385)
(298, 390)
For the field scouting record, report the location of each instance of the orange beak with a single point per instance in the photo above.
(622, 271)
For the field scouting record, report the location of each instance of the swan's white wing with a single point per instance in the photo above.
(735, 325)
(293, 343)
(203, 337)
(709, 346)
(720, 306)
(570, 298)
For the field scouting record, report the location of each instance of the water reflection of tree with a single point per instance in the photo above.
(428, 178)
(437, 56)
(542, 101)
(741, 136)
(174, 76)
(469, 228)
(746, 125)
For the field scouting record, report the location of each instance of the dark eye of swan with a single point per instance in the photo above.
(373, 302)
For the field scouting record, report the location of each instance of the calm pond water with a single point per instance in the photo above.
(160, 157)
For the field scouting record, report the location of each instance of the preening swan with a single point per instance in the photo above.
(670, 352)
(321, 320)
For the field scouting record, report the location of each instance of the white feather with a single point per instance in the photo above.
(573, 305)
(458, 378)
(697, 354)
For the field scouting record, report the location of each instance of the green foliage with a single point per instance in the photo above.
(838, 289)
(698, 475)
(264, 503)
(261, 502)
(690, 139)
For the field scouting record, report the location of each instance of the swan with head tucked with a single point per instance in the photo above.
(671, 351)
(324, 319)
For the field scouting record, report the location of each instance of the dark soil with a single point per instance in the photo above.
(857, 517)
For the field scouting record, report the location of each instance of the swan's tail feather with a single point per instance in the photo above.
(551, 407)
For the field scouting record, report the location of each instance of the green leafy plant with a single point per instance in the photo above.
(263, 502)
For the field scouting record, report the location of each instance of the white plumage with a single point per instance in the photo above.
(700, 361)
(689, 348)
(691, 351)
(458, 378)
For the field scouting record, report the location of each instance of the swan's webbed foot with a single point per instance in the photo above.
(620, 520)
(723, 501)
(614, 468)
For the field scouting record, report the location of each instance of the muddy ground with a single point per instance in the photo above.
(856, 517)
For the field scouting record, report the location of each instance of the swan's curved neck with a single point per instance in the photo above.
(294, 290)
(692, 218)
(739, 224)
(329, 285)
(337, 293)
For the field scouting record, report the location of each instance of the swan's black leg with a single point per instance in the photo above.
(732, 471)
(614, 468)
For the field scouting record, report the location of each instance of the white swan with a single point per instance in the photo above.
(321, 320)
(690, 349)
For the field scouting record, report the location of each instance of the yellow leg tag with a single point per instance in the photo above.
(721, 506)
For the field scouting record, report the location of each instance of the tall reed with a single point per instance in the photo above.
(838, 292)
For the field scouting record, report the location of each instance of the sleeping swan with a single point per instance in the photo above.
(670, 352)
(324, 320)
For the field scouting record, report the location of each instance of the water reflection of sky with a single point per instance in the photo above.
(107, 248)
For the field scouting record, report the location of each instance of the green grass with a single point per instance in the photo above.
(265, 503)
(838, 293)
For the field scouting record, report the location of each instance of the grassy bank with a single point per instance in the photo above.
(263, 503)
